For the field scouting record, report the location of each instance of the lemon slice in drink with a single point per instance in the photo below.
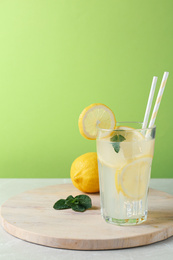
(133, 144)
(130, 133)
(131, 147)
(132, 180)
(93, 115)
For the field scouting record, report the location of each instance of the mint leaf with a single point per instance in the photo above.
(81, 200)
(114, 138)
(60, 204)
(116, 147)
(69, 197)
(78, 207)
(72, 202)
(85, 201)
(121, 138)
(117, 139)
(79, 203)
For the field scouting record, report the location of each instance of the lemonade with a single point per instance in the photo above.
(124, 162)
(124, 153)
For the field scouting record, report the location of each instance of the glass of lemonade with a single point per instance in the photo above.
(124, 161)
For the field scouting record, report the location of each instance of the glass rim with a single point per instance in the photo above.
(127, 122)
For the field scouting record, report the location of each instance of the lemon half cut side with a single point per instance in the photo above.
(93, 116)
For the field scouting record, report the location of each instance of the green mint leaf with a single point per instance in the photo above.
(84, 200)
(78, 207)
(117, 139)
(71, 202)
(116, 147)
(114, 138)
(60, 204)
(69, 197)
(121, 138)
(79, 203)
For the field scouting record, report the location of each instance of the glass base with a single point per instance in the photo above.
(125, 222)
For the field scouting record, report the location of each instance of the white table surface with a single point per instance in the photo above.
(12, 248)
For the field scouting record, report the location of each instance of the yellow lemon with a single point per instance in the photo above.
(132, 180)
(95, 115)
(84, 173)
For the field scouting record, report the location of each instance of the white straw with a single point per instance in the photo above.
(158, 100)
(150, 100)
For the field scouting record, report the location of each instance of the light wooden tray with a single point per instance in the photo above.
(30, 216)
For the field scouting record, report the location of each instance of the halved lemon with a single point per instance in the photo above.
(94, 115)
(132, 180)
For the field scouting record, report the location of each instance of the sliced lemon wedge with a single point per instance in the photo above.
(132, 180)
(94, 115)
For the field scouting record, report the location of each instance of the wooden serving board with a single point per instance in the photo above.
(30, 216)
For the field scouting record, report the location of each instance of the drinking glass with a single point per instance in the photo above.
(124, 162)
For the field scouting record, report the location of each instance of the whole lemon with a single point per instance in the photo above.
(84, 173)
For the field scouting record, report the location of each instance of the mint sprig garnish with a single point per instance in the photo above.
(78, 203)
(117, 139)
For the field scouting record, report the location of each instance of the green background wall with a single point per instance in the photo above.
(59, 56)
